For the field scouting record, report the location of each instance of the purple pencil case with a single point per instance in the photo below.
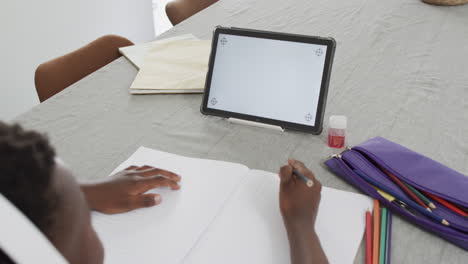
(414, 169)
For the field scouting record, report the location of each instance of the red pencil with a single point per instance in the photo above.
(406, 189)
(447, 204)
(368, 238)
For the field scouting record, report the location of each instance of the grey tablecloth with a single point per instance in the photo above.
(400, 71)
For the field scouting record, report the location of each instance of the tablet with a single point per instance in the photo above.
(268, 77)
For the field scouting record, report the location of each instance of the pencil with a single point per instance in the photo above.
(421, 196)
(383, 235)
(447, 204)
(405, 189)
(409, 202)
(303, 178)
(389, 237)
(385, 195)
(368, 237)
(376, 233)
(394, 201)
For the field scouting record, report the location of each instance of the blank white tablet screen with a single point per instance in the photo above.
(267, 78)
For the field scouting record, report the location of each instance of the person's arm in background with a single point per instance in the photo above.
(179, 10)
(299, 205)
(126, 191)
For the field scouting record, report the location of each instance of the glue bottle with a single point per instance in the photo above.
(336, 131)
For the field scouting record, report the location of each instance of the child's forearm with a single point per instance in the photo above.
(305, 247)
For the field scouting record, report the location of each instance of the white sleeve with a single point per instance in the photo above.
(21, 240)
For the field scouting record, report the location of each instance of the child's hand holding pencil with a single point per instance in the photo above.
(299, 199)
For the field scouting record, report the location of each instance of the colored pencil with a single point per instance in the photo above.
(303, 178)
(395, 201)
(368, 237)
(383, 234)
(385, 195)
(421, 196)
(405, 189)
(389, 237)
(376, 233)
(447, 204)
(409, 202)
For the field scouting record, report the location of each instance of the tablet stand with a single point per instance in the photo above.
(252, 123)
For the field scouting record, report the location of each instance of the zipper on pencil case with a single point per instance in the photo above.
(358, 160)
(383, 165)
(351, 176)
(456, 221)
(367, 188)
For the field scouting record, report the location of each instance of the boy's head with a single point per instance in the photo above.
(46, 192)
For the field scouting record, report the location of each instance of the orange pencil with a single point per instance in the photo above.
(376, 229)
(447, 204)
(406, 189)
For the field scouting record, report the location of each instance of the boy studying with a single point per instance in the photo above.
(45, 191)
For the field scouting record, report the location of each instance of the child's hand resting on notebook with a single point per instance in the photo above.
(125, 191)
(299, 206)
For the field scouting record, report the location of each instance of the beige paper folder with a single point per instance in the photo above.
(136, 54)
(174, 65)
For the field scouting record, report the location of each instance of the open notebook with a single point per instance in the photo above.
(223, 213)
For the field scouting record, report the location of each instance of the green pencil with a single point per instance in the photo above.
(383, 235)
(421, 196)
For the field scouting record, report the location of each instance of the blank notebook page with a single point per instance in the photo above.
(166, 233)
(223, 213)
(249, 229)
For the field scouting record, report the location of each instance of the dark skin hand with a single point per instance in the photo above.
(125, 191)
(299, 205)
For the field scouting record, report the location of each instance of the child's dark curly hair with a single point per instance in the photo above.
(26, 168)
